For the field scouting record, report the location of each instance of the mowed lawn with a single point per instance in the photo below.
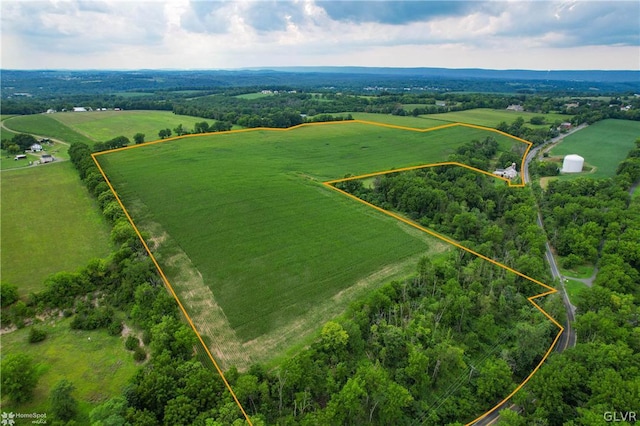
(603, 144)
(97, 364)
(492, 117)
(105, 125)
(251, 213)
(49, 223)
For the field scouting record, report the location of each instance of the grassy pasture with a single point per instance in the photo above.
(97, 364)
(105, 125)
(603, 144)
(256, 95)
(8, 161)
(269, 240)
(492, 117)
(45, 125)
(48, 224)
(421, 122)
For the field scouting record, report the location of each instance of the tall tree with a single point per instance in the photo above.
(138, 138)
(19, 377)
(63, 404)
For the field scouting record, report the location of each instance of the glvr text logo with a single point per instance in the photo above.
(620, 416)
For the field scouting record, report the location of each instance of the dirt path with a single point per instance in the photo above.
(587, 281)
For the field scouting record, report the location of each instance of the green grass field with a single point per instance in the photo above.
(97, 364)
(265, 236)
(105, 125)
(48, 224)
(574, 288)
(47, 126)
(580, 271)
(6, 133)
(603, 145)
(492, 117)
(422, 122)
(91, 127)
(256, 95)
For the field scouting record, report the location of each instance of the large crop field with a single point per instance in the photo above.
(603, 145)
(492, 117)
(421, 122)
(48, 224)
(105, 125)
(97, 126)
(251, 239)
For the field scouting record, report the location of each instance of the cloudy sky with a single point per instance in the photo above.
(187, 34)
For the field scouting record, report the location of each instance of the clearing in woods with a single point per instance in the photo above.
(245, 215)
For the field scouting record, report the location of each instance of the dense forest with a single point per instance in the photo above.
(441, 347)
(48, 83)
(600, 221)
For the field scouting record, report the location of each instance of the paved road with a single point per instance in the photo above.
(568, 338)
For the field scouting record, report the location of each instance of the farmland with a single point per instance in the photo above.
(48, 225)
(45, 125)
(423, 122)
(243, 217)
(492, 117)
(105, 125)
(91, 127)
(603, 145)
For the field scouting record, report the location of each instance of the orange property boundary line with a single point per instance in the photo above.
(329, 184)
(550, 290)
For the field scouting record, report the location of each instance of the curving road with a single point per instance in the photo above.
(567, 339)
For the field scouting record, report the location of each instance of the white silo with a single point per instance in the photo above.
(572, 164)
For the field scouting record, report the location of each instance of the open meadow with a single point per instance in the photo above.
(603, 145)
(48, 224)
(105, 125)
(99, 126)
(492, 117)
(243, 226)
(96, 363)
(421, 122)
(45, 125)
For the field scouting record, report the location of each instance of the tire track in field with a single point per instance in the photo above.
(206, 314)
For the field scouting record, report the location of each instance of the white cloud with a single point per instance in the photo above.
(229, 34)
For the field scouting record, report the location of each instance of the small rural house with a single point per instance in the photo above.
(514, 107)
(46, 158)
(509, 173)
(36, 147)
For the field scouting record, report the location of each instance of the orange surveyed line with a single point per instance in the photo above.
(550, 290)
(173, 293)
(329, 184)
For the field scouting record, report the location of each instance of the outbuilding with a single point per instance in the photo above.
(46, 158)
(572, 163)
